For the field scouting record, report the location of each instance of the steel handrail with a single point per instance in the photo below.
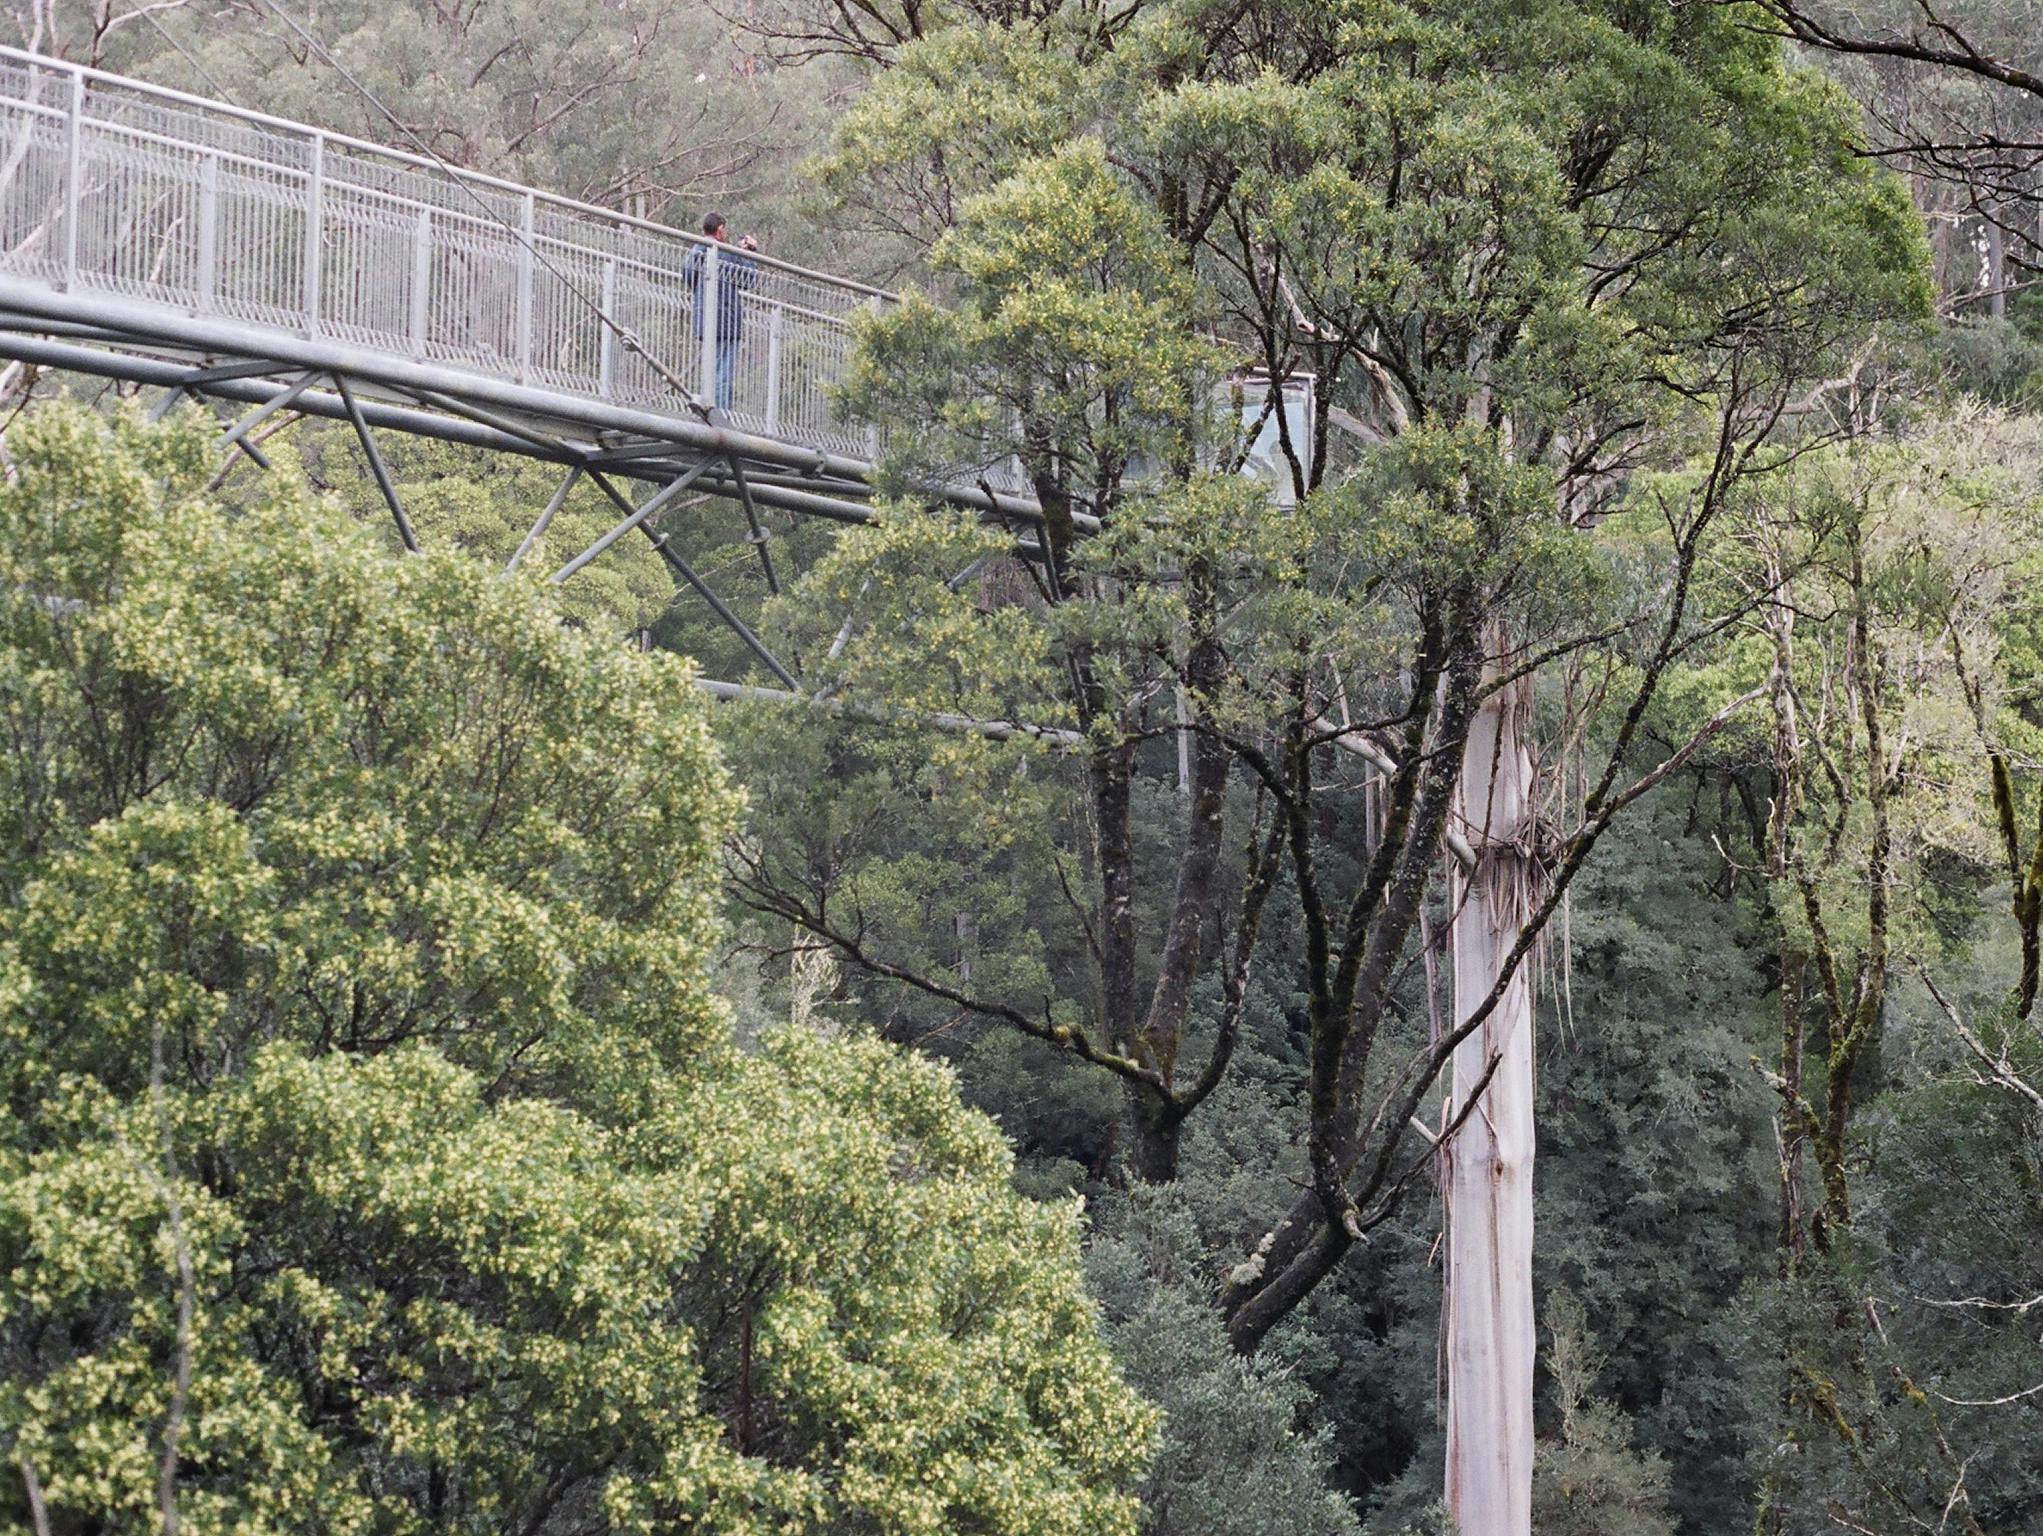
(594, 211)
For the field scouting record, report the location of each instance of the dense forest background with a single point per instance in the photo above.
(1789, 1086)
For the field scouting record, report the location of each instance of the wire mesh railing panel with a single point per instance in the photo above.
(115, 186)
(656, 308)
(185, 205)
(258, 272)
(137, 113)
(400, 179)
(567, 330)
(472, 295)
(791, 333)
(33, 173)
(137, 218)
(367, 244)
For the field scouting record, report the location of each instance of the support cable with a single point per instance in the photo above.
(148, 13)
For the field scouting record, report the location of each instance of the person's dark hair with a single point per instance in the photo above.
(712, 222)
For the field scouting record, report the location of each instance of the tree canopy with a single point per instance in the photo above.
(376, 1155)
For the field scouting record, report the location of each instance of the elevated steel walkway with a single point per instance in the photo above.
(165, 239)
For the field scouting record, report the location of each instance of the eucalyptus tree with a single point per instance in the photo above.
(1527, 253)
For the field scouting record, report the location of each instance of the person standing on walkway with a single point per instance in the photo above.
(735, 275)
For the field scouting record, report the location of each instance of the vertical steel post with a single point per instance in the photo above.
(872, 433)
(74, 177)
(526, 276)
(315, 216)
(605, 342)
(209, 232)
(705, 304)
(774, 327)
(1018, 476)
(421, 280)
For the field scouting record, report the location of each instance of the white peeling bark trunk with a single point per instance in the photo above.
(1996, 270)
(1489, 1322)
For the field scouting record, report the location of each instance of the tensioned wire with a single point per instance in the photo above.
(148, 14)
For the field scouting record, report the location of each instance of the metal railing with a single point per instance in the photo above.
(112, 185)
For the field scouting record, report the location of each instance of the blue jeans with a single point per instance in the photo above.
(726, 370)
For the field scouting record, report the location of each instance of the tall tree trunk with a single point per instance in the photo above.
(1153, 1138)
(1790, 1129)
(1490, 1332)
(1156, 1128)
(1996, 268)
(1159, 1115)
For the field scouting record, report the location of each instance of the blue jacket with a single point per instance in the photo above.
(735, 273)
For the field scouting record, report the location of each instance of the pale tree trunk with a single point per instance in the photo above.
(1489, 1322)
(1996, 268)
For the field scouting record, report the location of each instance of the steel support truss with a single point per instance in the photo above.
(702, 458)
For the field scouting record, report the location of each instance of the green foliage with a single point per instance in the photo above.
(1934, 531)
(1536, 251)
(1235, 1459)
(419, 1306)
(374, 1156)
(1016, 108)
(1950, 1217)
(895, 582)
(267, 781)
(1653, 1124)
(1884, 853)
(1999, 361)
(1587, 1480)
(1072, 330)
(410, 886)
(484, 504)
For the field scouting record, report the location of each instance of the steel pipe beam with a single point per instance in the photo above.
(758, 536)
(639, 514)
(998, 730)
(415, 420)
(146, 325)
(375, 457)
(553, 506)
